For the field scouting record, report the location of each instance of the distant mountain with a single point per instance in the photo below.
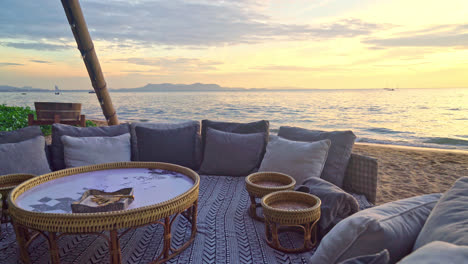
(160, 87)
(169, 87)
(6, 88)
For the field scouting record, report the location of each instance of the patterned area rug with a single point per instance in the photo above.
(226, 234)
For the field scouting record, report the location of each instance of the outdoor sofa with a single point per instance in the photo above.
(351, 229)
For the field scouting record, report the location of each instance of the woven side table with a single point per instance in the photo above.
(260, 184)
(7, 183)
(291, 209)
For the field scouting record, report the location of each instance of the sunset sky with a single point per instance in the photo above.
(323, 44)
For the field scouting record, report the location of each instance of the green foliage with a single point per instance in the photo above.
(16, 117)
(13, 117)
(90, 123)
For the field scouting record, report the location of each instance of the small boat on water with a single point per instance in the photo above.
(91, 91)
(23, 93)
(389, 89)
(57, 91)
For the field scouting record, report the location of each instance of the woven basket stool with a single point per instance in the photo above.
(260, 184)
(285, 210)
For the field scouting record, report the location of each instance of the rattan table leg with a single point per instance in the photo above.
(114, 248)
(272, 236)
(168, 252)
(253, 209)
(194, 218)
(20, 237)
(167, 236)
(53, 248)
(307, 235)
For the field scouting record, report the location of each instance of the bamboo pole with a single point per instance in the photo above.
(85, 45)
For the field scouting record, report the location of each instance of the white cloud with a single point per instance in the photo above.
(177, 23)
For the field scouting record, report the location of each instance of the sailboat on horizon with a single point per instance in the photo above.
(57, 91)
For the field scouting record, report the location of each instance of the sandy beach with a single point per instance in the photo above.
(410, 171)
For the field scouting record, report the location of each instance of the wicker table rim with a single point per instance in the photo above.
(53, 225)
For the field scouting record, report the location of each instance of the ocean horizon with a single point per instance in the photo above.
(434, 118)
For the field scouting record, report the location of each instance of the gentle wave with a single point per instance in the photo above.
(404, 143)
(447, 141)
(382, 130)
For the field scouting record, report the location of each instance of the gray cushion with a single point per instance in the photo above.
(177, 144)
(438, 252)
(169, 126)
(24, 157)
(393, 226)
(83, 151)
(262, 126)
(59, 130)
(231, 154)
(20, 134)
(338, 156)
(449, 220)
(380, 258)
(336, 203)
(300, 160)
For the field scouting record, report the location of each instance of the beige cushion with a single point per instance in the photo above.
(393, 226)
(438, 252)
(380, 258)
(83, 151)
(300, 160)
(449, 220)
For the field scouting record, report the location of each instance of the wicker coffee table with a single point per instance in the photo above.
(290, 210)
(260, 184)
(41, 206)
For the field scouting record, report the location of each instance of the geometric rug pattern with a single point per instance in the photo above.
(226, 234)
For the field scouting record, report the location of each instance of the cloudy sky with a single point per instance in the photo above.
(241, 43)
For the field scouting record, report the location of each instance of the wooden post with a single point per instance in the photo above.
(30, 120)
(56, 119)
(82, 120)
(85, 45)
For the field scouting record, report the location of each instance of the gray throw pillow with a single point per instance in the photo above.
(438, 252)
(380, 258)
(336, 203)
(300, 160)
(20, 134)
(83, 151)
(338, 156)
(449, 220)
(262, 126)
(178, 144)
(190, 125)
(393, 226)
(24, 157)
(59, 130)
(23, 134)
(231, 154)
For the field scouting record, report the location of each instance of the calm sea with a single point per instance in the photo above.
(415, 117)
